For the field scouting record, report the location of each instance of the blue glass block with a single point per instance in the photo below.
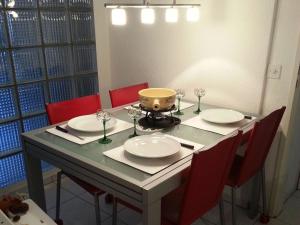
(59, 61)
(35, 122)
(82, 26)
(5, 69)
(85, 59)
(24, 28)
(80, 3)
(55, 27)
(31, 98)
(10, 136)
(61, 90)
(12, 170)
(29, 64)
(21, 3)
(8, 106)
(87, 85)
(3, 32)
(53, 3)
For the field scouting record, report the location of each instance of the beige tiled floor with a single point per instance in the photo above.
(77, 209)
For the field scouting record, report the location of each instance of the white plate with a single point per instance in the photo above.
(152, 146)
(89, 123)
(222, 116)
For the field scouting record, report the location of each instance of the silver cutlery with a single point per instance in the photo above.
(68, 132)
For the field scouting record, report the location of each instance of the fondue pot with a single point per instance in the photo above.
(157, 98)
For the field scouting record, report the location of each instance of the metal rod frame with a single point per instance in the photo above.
(130, 5)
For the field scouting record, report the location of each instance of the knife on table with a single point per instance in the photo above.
(187, 146)
(68, 132)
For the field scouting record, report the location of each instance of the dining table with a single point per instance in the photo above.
(89, 163)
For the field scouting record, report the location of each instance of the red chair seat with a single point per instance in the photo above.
(126, 95)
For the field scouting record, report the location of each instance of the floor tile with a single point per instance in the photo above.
(50, 193)
(297, 194)
(109, 222)
(291, 211)
(129, 216)
(72, 187)
(273, 222)
(242, 218)
(78, 212)
(107, 207)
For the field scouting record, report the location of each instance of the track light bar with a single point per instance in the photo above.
(129, 5)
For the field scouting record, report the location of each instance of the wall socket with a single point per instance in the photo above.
(4, 220)
(275, 72)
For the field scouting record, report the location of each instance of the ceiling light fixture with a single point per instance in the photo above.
(192, 14)
(118, 14)
(146, 3)
(118, 17)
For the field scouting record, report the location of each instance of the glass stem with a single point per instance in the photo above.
(199, 98)
(134, 126)
(178, 105)
(104, 122)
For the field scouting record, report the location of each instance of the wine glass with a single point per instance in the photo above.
(199, 92)
(134, 113)
(180, 93)
(104, 117)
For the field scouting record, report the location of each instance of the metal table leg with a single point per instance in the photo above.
(151, 213)
(34, 179)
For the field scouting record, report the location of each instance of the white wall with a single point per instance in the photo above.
(281, 92)
(225, 52)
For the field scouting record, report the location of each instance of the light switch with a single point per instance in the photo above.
(275, 71)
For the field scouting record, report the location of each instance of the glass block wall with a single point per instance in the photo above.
(47, 54)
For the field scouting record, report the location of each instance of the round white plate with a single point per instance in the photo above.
(221, 116)
(89, 123)
(152, 146)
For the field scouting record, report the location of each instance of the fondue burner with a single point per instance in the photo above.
(157, 119)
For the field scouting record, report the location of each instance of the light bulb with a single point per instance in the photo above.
(118, 17)
(171, 15)
(147, 16)
(192, 14)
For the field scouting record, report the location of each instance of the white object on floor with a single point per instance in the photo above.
(223, 129)
(152, 146)
(34, 216)
(90, 123)
(4, 220)
(89, 136)
(222, 116)
(152, 166)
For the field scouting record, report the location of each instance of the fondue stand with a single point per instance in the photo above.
(155, 119)
(156, 102)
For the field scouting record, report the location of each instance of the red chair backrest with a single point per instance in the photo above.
(65, 110)
(125, 95)
(259, 144)
(206, 180)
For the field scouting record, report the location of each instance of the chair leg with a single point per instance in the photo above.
(97, 209)
(222, 215)
(115, 212)
(58, 185)
(233, 197)
(264, 218)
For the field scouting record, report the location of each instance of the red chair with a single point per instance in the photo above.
(252, 162)
(125, 95)
(202, 188)
(65, 110)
